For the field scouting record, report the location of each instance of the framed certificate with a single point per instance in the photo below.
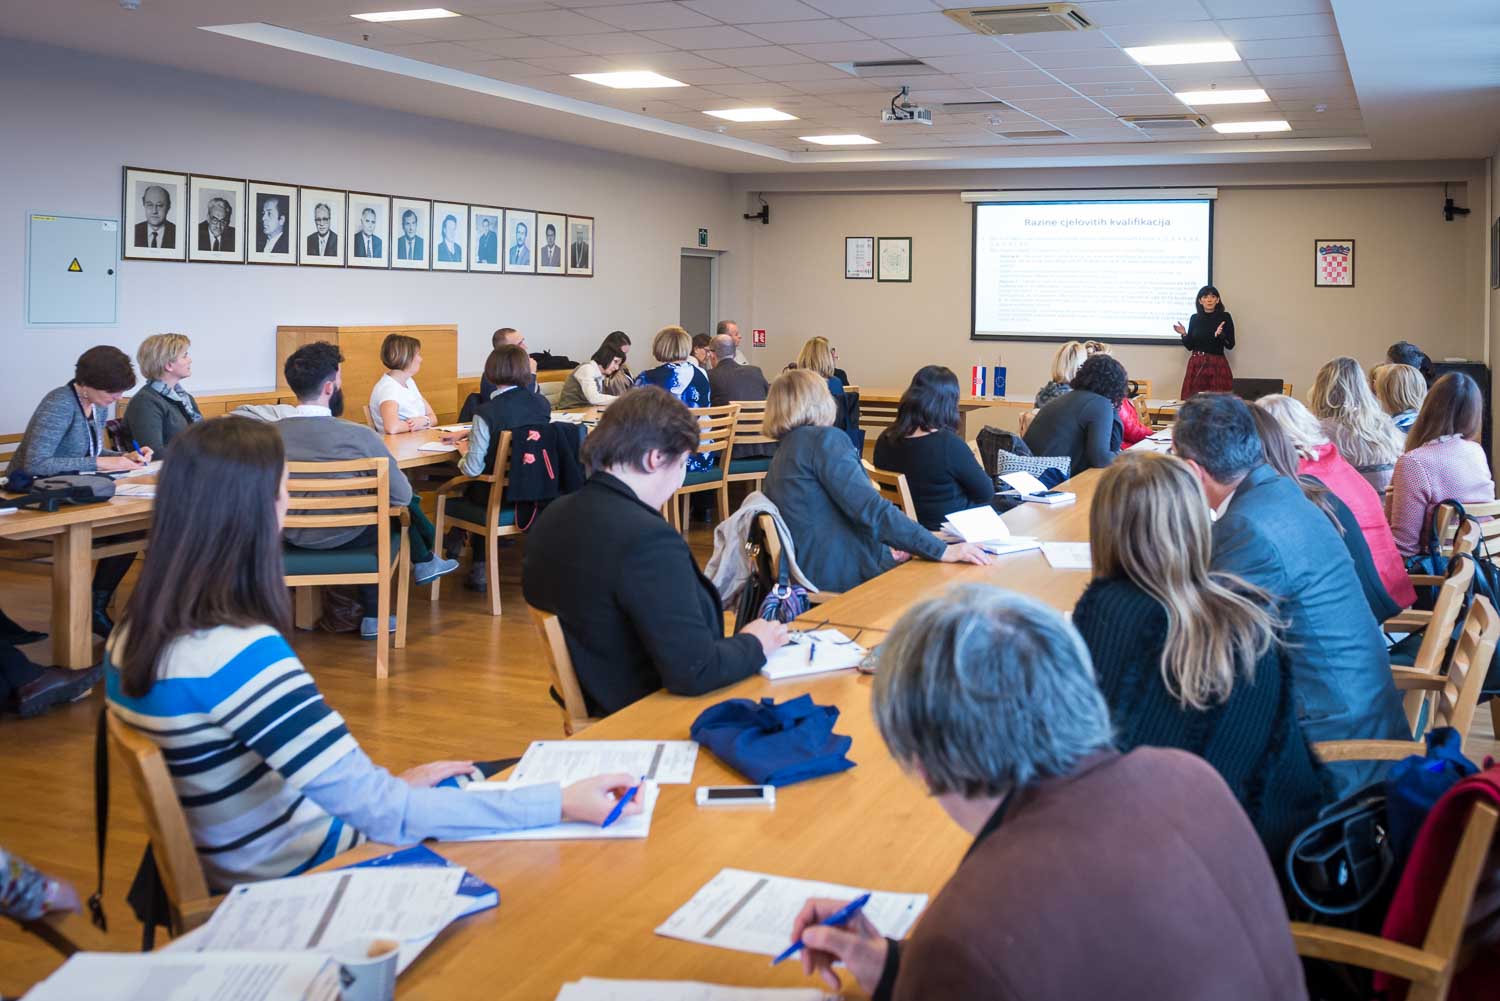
(859, 257)
(893, 259)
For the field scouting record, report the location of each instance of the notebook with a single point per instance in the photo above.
(481, 896)
(813, 653)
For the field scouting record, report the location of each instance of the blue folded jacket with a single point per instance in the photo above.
(772, 744)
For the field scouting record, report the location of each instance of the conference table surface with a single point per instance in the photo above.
(589, 908)
(892, 395)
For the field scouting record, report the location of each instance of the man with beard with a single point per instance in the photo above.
(315, 434)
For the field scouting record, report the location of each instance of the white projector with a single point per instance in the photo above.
(906, 115)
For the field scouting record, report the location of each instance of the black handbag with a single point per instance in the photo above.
(761, 581)
(1341, 865)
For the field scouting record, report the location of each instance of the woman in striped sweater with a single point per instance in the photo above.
(270, 778)
(1208, 677)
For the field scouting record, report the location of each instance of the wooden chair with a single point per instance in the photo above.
(718, 425)
(189, 902)
(892, 487)
(974, 449)
(9, 446)
(353, 493)
(1489, 526)
(747, 425)
(1436, 627)
(575, 711)
(1024, 421)
(1430, 967)
(772, 538)
(491, 521)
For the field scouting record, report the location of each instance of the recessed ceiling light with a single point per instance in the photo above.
(1179, 55)
(841, 140)
(1222, 96)
(752, 115)
(1279, 125)
(426, 13)
(629, 80)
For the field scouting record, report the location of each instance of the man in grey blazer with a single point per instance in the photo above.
(1267, 532)
(730, 380)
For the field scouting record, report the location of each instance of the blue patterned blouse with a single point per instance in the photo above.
(687, 382)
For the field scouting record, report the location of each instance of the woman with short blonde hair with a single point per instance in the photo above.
(1064, 366)
(1341, 399)
(396, 404)
(1187, 657)
(844, 532)
(162, 409)
(673, 346)
(1400, 390)
(1321, 459)
(817, 355)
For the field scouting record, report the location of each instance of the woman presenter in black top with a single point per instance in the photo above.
(1208, 335)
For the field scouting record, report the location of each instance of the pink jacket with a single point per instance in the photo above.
(1130, 421)
(1355, 491)
(1449, 468)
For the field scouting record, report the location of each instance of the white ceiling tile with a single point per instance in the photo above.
(1145, 105)
(1175, 33)
(1310, 64)
(1008, 78)
(758, 89)
(1178, 76)
(1207, 81)
(1054, 92)
(856, 8)
(720, 37)
(1318, 46)
(1314, 80)
(1102, 91)
(606, 45)
(847, 85)
(549, 22)
(1081, 58)
(762, 55)
(523, 48)
(946, 45)
(717, 75)
(367, 35)
(805, 32)
(1264, 8)
(509, 69)
(908, 25)
(483, 7)
(740, 12)
(443, 53)
(1108, 13)
(1054, 40)
(663, 62)
(847, 51)
(649, 16)
(949, 96)
(993, 62)
(799, 71)
(453, 29)
(1296, 26)
(573, 64)
(1104, 74)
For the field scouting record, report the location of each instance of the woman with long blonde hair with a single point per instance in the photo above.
(1188, 657)
(1064, 366)
(1342, 400)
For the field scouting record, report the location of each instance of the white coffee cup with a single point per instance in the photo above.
(369, 967)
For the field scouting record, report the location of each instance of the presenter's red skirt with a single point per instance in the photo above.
(1207, 374)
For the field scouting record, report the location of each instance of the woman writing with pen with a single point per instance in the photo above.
(66, 435)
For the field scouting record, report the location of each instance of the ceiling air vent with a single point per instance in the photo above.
(976, 107)
(878, 68)
(1035, 134)
(1166, 123)
(1021, 19)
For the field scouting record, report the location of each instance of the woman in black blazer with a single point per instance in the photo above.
(923, 444)
(638, 614)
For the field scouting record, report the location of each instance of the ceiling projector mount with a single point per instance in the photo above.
(903, 112)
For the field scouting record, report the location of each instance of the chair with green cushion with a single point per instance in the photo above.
(747, 431)
(352, 494)
(718, 425)
(491, 521)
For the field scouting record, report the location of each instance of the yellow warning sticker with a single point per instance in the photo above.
(75, 265)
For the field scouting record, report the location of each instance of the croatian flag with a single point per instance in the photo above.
(978, 381)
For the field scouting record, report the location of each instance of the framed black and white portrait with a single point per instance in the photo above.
(520, 241)
(551, 243)
(411, 221)
(153, 209)
(369, 230)
(450, 239)
(485, 224)
(273, 223)
(216, 214)
(325, 231)
(580, 247)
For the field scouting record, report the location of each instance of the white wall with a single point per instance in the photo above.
(83, 118)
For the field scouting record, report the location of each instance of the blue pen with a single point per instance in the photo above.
(834, 920)
(620, 805)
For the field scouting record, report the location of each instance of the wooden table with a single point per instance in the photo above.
(877, 406)
(878, 603)
(576, 909)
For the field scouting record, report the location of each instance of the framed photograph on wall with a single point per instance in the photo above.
(581, 246)
(450, 242)
(216, 217)
(520, 237)
(552, 234)
(1495, 253)
(485, 225)
(325, 231)
(859, 257)
(369, 230)
(1333, 263)
(893, 259)
(153, 203)
(412, 233)
(273, 222)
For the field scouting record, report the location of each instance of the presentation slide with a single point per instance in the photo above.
(1107, 269)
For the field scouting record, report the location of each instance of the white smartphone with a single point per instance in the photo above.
(736, 796)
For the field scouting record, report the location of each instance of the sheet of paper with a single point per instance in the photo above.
(454, 427)
(598, 989)
(813, 653)
(1023, 482)
(1014, 544)
(753, 911)
(978, 524)
(436, 446)
(135, 490)
(323, 911)
(626, 828)
(666, 762)
(178, 976)
(1068, 555)
(148, 469)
